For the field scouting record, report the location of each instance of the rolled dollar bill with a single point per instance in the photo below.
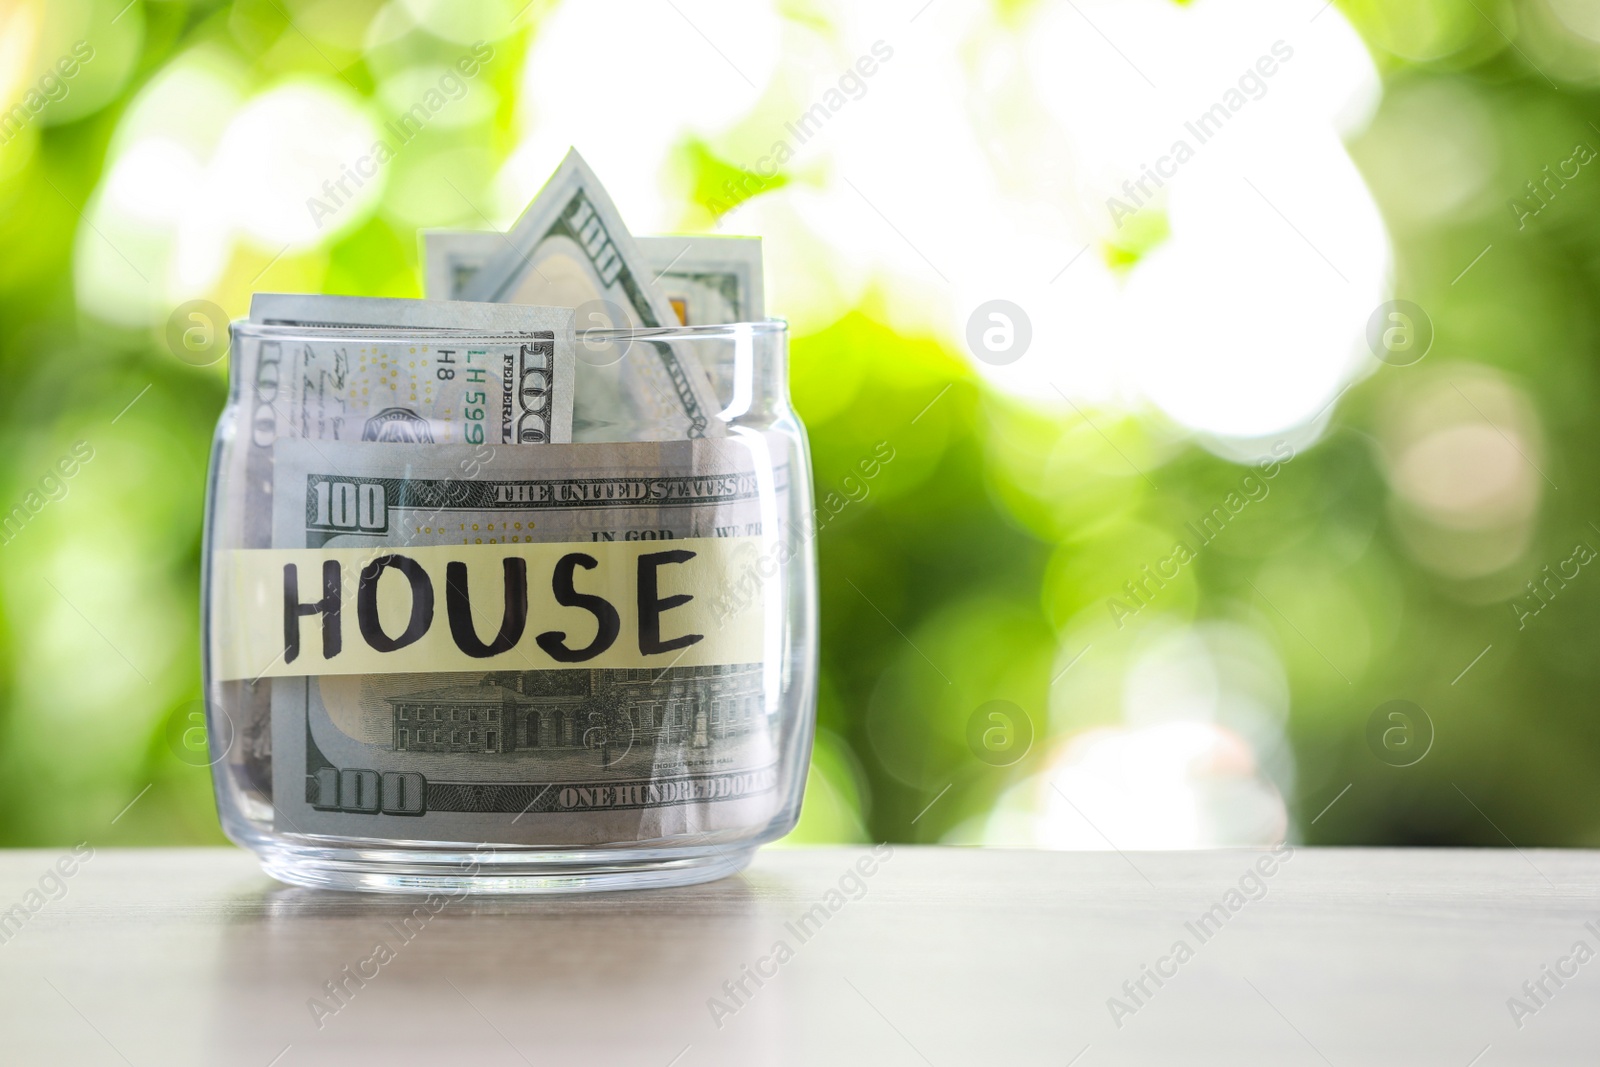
(376, 364)
(571, 249)
(707, 281)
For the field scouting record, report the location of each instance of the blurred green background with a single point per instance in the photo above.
(1389, 559)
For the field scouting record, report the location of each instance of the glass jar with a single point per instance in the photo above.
(434, 662)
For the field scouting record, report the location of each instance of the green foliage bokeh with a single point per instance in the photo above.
(954, 580)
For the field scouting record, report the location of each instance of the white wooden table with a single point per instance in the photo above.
(940, 957)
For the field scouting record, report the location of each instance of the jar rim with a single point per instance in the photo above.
(764, 327)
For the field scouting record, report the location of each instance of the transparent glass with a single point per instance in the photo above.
(615, 749)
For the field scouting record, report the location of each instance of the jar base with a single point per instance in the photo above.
(532, 872)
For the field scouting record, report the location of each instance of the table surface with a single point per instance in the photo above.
(917, 956)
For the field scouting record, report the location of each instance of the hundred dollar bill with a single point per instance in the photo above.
(380, 370)
(372, 369)
(571, 249)
(630, 746)
(424, 382)
(707, 280)
(452, 258)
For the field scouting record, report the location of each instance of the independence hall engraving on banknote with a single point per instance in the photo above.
(528, 710)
